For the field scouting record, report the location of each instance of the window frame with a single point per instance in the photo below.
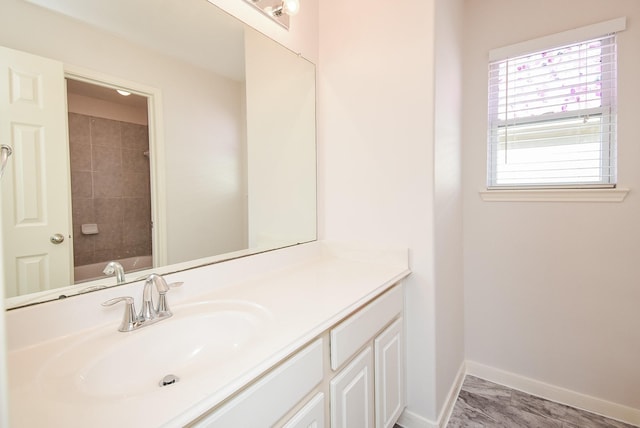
(606, 110)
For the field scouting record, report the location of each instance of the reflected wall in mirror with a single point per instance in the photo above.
(231, 132)
(109, 161)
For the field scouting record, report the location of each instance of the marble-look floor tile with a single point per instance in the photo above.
(570, 416)
(484, 404)
(576, 418)
(499, 410)
(484, 388)
(465, 415)
(538, 406)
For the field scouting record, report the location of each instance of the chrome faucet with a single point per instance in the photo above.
(117, 269)
(150, 313)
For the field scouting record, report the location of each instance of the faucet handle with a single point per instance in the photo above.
(129, 319)
(127, 299)
(175, 285)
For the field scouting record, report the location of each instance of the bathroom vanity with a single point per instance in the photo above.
(307, 334)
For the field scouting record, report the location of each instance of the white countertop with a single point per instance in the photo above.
(302, 299)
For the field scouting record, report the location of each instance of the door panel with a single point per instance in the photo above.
(352, 394)
(389, 375)
(35, 195)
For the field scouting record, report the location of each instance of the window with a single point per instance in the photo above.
(552, 116)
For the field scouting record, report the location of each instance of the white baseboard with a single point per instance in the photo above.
(555, 393)
(408, 419)
(447, 407)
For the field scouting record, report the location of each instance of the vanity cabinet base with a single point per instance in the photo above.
(352, 376)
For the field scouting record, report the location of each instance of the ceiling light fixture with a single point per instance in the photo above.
(123, 92)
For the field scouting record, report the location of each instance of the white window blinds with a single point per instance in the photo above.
(552, 117)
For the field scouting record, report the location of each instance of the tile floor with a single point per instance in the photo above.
(488, 405)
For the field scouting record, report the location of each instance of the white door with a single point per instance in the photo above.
(35, 189)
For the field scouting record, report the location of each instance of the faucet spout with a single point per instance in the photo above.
(149, 311)
(117, 269)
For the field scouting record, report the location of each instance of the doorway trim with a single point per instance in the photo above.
(156, 148)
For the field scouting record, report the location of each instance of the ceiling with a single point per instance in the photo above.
(200, 34)
(105, 94)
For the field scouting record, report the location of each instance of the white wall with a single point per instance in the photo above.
(206, 167)
(106, 109)
(203, 125)
(281, 132)
(552, 289)
(377, 149)
(449, 295)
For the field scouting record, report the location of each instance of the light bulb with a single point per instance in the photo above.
(291, 7)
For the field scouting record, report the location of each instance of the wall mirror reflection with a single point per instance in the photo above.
(109, 163)
(210, 156)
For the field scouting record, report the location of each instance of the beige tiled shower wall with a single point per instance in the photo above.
(110, 187)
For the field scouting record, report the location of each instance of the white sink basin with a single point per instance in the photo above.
(198, 338)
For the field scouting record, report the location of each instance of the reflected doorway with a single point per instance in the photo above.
(110, 179)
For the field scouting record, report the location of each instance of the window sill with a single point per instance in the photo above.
(555, 195)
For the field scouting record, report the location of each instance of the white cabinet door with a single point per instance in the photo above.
(389, 375)
(352, 394)
(310, 416)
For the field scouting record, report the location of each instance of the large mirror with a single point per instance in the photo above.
(206, 153)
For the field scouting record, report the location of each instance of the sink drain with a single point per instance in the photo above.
(169, 380)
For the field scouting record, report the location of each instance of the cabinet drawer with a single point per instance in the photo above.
(270, 398)
(355, 331)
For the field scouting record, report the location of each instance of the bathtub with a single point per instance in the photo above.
(94, 271)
